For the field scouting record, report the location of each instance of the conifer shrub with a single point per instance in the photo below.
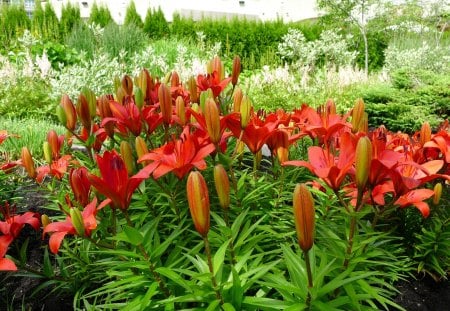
(132, 16)
(70, 17)
(100, 15)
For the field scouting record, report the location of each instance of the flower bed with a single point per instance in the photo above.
(172, 201)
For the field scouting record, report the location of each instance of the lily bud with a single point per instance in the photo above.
(120, 95)
(437, 193)
(212, 119)
(174, 79)
(304, 216)
(192, 86)
(77, 221)
(165, 103)
(83, 111)
(246, 108)
(357, 116)
(142, 80)
(127, 155)
(54, 144)
(282, 154)
(222, 184)
(91, 99)
(127, 85)
(196, 108)
(27, 162)
(180, 110)
(218, 67)
(45, 220)
(236, 70)
(237, 99)
(363, 160)
(61, 114)
(141, 148)
(330, 107)
(47, 152)
(198, 199)
(425, 133)
(80, 184)
(104, 110)
(139, 98)
(70, 113)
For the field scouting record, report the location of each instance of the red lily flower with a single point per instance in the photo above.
(60, 229)
(416, 197)
(152, 118)
(57, 169)
(212, 81)
(256, 132)
(10, 228)
(99, 133)
(114, 182)
(324, 164)
(4, 135)
(322, 124)
(127, 117)
(179, 156)
(81, 187)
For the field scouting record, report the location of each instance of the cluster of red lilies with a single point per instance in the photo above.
(151, 128)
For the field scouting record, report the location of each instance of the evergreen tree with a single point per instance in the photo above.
(70, 17)
(155, 24)
(100, 15)
(132, 16)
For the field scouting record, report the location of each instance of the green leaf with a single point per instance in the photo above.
(228, 307)
(265, 303)
(236, 291)
(133, 235)
(213, 306)
(23, 252)
(170, 274)
(220, 256)
(47, 269)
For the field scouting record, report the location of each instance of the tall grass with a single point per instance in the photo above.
(31, 133)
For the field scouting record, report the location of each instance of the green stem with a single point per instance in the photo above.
(156, 276)
(310, 279)
(211, 269)
(233, 255)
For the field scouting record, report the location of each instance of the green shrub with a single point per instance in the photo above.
(13, 22)
(100, 15)
(44, 24)
(70, 17)
(127, 38)
(57, 53)
(26, 97)
(132, 16)
(155, 24)
(83, 40)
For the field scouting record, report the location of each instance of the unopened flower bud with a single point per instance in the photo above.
(80, 184)
(246, 108)
(282, 154)
(165, 103)
(222, 184)
(437, 193)
(193, 93)
(127, 85)
(45, 220)
(304, 216)
(357, 116)
(141, 148)
(425, 133)
(198, 199)
(53, 141)
(139, 97)
(83, 111)
(70, 113)
(61, 114)
(236, 70)
(127, 155)
(212, 119)
(77, 221)
(363, 160)
(195, 107)
(28, 163)
(237, 98)
(174, 79)
(180, 109)
(142, 80)
(47, 152)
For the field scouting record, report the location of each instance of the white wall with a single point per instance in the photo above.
(288, 10)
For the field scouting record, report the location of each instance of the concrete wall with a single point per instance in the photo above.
(288, 10)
